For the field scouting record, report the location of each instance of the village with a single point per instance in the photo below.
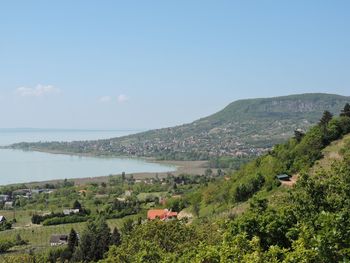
(24, 210)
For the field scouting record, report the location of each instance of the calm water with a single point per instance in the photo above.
(18, 166)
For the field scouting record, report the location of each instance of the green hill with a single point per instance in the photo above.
(243, 128)
(251, 217)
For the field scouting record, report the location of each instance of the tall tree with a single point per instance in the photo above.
(94, 242)
(326, 118)
(298, 135)
(72, 240)
(76, 205)
(116, 237)
(346, 110)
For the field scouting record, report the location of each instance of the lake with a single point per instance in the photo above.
(18, 166)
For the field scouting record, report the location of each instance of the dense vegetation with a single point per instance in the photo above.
(307, 222)
(243, 128)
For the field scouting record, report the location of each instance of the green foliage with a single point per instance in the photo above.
(73, 241)
(309, 223)
(5, 225)
(116, 237)
(65, 220)
(345, 111)
(226, 162)
(158, 241)
(5, 245)
(94, 241)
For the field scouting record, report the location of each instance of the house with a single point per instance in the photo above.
(37, 191)
(8, 205)
(68, 212)
(184, 215)
(58, 240)
(2, 219)
(162, 214)
(4, 198)
(162, 200)
(82, 192)
(283, 177)
(22, 192)
(128, 193)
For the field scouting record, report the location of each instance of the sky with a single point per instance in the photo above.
(151, 64)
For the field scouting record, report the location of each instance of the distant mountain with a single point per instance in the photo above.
(243, 128)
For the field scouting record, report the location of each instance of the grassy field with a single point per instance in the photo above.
(23, 217)
(331, 153)
(143, 196)
(39, 236)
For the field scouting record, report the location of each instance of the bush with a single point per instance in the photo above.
(65, 220)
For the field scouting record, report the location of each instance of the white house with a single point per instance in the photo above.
(70, 211)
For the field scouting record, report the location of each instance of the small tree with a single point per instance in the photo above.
(298, 135)
(346, 111)
(326, 118)
(116, 237)
(72, 240)
(128, 226)
(94, 242)
(208, 172)
(77, 205)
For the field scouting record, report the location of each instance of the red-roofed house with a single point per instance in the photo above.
(162, 214)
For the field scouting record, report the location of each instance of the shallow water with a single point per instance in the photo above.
(18, 166)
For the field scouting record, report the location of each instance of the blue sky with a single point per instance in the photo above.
(149, 64)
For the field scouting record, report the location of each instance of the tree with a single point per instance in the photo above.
(298, 135)
(123, 176)
(128, 226)
(346, 111)
(77, 205)
(326, 118)
(208, 172)
(72, 240)
(94, 242)
(196, 209)
(116, 237)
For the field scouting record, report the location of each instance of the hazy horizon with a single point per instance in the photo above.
(118, 65)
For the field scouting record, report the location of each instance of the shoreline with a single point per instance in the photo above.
(181, 167)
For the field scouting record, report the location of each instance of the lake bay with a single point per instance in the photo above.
(18, 166)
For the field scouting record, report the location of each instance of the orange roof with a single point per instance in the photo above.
(162, 214)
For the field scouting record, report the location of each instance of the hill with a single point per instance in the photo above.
(243, 216)
(244, 128)
(250, 216)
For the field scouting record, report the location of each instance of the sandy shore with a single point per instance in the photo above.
(182, 167)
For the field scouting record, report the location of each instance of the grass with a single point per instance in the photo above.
(39, 236)
(331, 153)
(23, 217)
(143, 196)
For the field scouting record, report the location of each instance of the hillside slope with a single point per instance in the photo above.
(243, 128)
(250, 217)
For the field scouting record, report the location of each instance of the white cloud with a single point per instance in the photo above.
(38, 91)
(105, 99)
(122, 98)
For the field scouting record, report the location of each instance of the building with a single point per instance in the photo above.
(70, 211)
(4, 198)
(2, 219)
(162, 214)
(8, 205)
(128, 193)
(283, 177)
(58, 240)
